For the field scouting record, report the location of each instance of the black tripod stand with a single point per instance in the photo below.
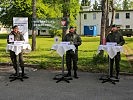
(61, 77)
(18, 75)
(107, 78)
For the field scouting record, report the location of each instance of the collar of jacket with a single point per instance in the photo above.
(14, 33)
(114, 32)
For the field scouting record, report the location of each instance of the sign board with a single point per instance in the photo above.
(63, 23)
(22, 23)
(47, 23)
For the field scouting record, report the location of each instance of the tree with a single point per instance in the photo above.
(74, 10)
(96, 6)
(103, 20)
(125, 4)
(33, 28)
(44, 9)
(131, 5)
(85, 3)
(118, 5)
(15, 9)
(105, 27)
(110, 8)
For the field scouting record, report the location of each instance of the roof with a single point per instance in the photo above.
(101, 11)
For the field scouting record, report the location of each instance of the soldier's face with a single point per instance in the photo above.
(15, 29)
(72, 30)
(114, 29)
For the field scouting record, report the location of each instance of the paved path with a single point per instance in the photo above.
(41, 86)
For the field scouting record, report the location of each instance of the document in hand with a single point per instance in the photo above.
(111, 43)
(18, 42)
(11, 38)
(65, 43)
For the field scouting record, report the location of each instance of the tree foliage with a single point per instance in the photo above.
(16, 8)
(96, 6)
(131, 5)
(118, 5)
(125, 4)
(44, 9)
(74, 10)
(85, 3)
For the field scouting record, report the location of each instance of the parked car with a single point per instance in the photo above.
(127, 32)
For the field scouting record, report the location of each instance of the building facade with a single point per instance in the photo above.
(91, 20)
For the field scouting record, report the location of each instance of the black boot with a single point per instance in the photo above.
(117, 75)
(22, 69)
(23, 74)
(75, 75)
(68, 74)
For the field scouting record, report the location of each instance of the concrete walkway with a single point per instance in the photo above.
(41, 86)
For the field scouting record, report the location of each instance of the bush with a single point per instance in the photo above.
(99, 59)
(55, 33)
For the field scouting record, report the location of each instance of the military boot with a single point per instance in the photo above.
(117, 75)
(68, 74)
(75, 75)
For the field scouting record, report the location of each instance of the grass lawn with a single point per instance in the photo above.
(129, 42)
(51, 60)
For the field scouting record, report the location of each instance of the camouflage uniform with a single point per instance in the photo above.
(17, 37)
(118, 38)
(73, 38)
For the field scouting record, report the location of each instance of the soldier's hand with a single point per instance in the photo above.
(118, 45)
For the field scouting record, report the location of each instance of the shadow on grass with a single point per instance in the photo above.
(3, 45)
(88, 50)
(131, 55)
(125, 67)
(3, 36)
(129, 39)
(84, 64)
(44, 49)
(2, 50)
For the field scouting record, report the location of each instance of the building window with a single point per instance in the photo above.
(127, 26)
(127, 15)
(94, 16)
(85, 16)
(117, 16)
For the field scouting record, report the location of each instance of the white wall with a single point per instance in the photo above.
(81, 22)
(123, 21)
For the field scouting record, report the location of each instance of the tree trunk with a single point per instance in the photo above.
(108, 28)
(107, 18)
(113, 12)
(33, 27)
(103, 24)
(66, 15)
(103, 21)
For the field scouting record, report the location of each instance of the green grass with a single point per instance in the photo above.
(49, 59)
(129, 42)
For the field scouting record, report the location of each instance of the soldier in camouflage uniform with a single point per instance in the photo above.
(17, 37)
(75, 39)
(115, 36)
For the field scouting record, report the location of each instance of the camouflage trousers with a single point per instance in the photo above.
(71, 57)
(14, 61)
(117, 59)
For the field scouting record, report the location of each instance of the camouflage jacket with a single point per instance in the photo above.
(74, 38)
(115, 37)
(17, 36)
